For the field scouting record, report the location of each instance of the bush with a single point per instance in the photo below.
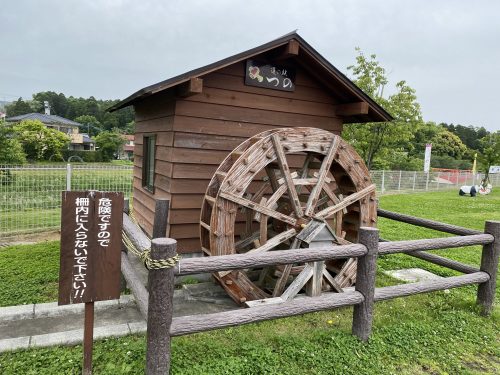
(87, 156)
(449, 162)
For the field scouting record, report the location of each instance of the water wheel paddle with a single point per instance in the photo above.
(282, 189)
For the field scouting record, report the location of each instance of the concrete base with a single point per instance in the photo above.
(47, 324)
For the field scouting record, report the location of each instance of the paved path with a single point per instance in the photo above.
(46, 324)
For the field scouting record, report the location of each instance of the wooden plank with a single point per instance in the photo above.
(426, 223)
(347, 201)
(207, 141)
(135, 285)
(187, 155)
(315, 283)
(199, 323)
(219, 263)
(396, 291)
(261, 102)
(322, 176)
(193, 171)
(192, 87)
(298, 283)
(285, 172)
(330, 280)
(352, 109)
(181, 201)
(275, 241)
(156, 106)
(407, 246)
(234, 83)
(252, 115)
(258, 207)
(161, 124)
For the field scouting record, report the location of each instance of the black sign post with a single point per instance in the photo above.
(91, 229)
(275, 77)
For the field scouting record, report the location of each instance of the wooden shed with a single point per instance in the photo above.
(187, 125)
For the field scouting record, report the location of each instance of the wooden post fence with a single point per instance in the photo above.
(365, 284)
(162, 326)
(161, 295)
(489, 264)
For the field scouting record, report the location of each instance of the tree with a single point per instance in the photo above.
(370, 139)
(38, 141)
(91, 125)
(19, 107)
(491, 153)
(447, 143)
(109, 143)
(11, 151)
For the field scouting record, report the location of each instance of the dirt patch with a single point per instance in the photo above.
(32, 238)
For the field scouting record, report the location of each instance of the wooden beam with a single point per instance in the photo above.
(285, 171)
(258, 207)
(289, 50)
(192, 87)
(352, 109)
(347, 201)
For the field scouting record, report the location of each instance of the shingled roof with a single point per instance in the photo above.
(46, 119)
(308, 58)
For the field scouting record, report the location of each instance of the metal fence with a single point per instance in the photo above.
(30, 195)
(407, 181)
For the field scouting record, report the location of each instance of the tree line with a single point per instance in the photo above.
(400, 144)
(91, 112)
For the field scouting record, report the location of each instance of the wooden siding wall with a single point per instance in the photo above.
(196, 133)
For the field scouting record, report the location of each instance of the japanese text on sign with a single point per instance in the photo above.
(269, 76)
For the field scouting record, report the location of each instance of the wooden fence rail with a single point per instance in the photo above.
(162, 326)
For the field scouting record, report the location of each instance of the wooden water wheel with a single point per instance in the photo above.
(283, 189)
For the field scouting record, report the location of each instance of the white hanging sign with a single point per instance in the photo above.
(494, 169)
(427, 158)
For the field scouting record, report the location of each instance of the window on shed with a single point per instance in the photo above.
(148, 162)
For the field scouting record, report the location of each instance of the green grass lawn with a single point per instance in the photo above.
(438, 333)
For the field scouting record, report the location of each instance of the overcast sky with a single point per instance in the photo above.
(449, 51)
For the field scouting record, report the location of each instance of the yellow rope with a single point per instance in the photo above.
(145, 256)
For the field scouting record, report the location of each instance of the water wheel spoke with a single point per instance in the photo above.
(304, 172)
(298, 283)
(281, 283)
(331, 281)
(347, 201)
(273, 180)
(285, 171)
(258, 207)
(322, 174)
(275, 241)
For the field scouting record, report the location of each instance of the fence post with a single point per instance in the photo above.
(383, 181)
(427, 182)
(161, 218)
(365, 283)
(489, 264)
(414, 179)
(160, 308)
(68, 177)
(399, 182)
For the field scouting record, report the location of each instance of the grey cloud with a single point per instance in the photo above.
(446, 50)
